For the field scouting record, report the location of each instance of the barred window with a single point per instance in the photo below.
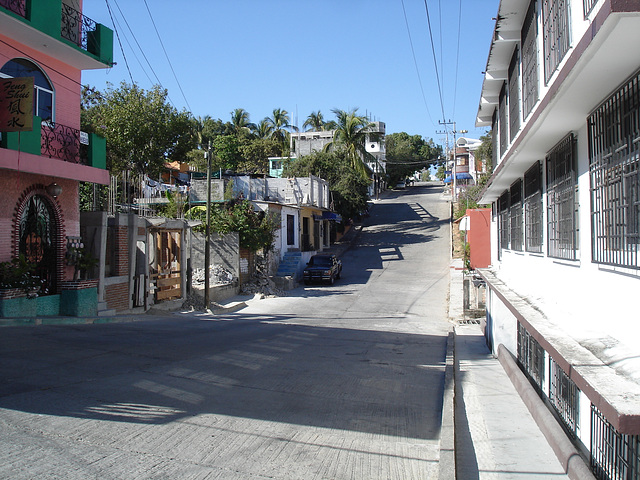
(503, 122)
(503, 220)
(614, 167)
(531, 356)
(564, 397)
(587, 6)
(614, 456)
(533, 209)
(514, 94)
(528, 37)
(515, 213)
(562, 217)
(557, 38)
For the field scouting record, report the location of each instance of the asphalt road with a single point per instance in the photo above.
(329, 382)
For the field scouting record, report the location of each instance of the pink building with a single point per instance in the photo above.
(49, 42)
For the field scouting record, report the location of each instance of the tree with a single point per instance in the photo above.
(255, 229)
(351, 133)
(143, 131)
(348, 187)
(408, 153)
(263, 129)
(314, 121)
(240, 122)
(226, 152)
(280, 123)
(255, 155)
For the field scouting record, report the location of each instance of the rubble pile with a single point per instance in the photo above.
(260, 282)
(217, 275)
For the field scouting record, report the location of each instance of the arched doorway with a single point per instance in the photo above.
(37, 239)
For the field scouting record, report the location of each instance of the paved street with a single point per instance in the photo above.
(329, 382)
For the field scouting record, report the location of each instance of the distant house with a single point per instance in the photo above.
(561, 93)
(43, 153)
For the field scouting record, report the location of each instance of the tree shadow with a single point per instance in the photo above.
(261, 367)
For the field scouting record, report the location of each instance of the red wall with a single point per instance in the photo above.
(479, 237)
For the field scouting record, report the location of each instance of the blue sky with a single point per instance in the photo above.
(304, 56)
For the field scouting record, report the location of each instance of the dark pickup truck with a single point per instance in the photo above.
(322, 268)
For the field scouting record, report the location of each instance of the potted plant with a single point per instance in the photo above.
(17, 278)
(83, 262)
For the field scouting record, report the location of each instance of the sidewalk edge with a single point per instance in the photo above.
(569, 457)
(447, 464)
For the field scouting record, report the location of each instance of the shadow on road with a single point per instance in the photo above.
(261, 367)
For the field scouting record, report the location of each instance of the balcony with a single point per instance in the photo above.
(69, 149)
(81, 42)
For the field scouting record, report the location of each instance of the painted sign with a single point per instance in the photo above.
(16, 104)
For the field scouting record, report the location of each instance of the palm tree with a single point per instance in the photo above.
(351, 133)
(315, 121)
(280, 123)
(240, 122)
(263, 129)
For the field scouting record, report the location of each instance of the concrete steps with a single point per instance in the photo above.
(289, 264)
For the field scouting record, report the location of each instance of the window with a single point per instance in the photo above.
(531, 356)
(503, 220)
(514, 94)
(561, 201)
(614, 456)
(533, 209)
(528, 37)
(503, 124)
(43, 96)
(587, 6)
(564, 397)
(555, 24)
(515, 214)
(614, 167)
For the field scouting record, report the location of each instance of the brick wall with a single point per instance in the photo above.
(117, 296)
(121, 253)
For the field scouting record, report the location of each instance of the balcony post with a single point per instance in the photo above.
(97, 151)
(46, 16)
(100, 43)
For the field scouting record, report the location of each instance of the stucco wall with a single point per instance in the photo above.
(224, 251)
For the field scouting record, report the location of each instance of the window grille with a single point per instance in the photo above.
(533, 209)
(503, 220)
(614, 456)
(514, 94)
(503, 124)
(515, 213)
(557, 39)
(531, 356)
(529, 38)
(16, 6)
(614, 167)
(587, 6)
(564, 396)
(494, 139)
(561, 201)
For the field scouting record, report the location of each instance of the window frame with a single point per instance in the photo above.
(562, 200)
(533, 209)
(39, 90)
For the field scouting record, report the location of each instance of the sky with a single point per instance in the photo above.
(379, 56)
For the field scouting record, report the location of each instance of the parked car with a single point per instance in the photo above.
(323, 267)
(400, 185)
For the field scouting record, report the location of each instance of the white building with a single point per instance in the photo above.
(561, 93)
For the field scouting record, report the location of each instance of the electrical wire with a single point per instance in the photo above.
(119, 42)
(435, 62)
(415, 62)
(455, 83)
(167, 56)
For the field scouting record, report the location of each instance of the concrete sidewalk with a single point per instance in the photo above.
(496, 434)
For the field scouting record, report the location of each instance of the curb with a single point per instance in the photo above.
(570, 459)
(447, 463)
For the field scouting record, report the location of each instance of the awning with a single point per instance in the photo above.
(330, 216)
(459, 176)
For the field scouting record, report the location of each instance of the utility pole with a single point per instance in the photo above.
(454, 179)
(207, 255)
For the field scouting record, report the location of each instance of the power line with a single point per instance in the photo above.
(119, 42)
(167, 56)
(435, 62)
(415, 62)
(455, 83)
